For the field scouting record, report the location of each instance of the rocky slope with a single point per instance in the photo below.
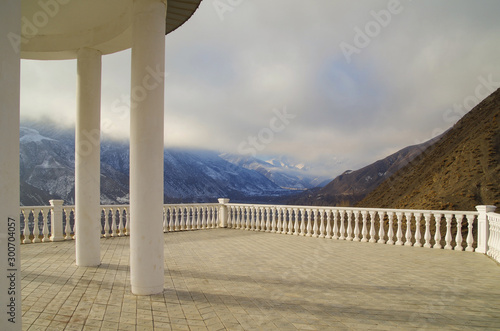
(352, 186)
(460, 171)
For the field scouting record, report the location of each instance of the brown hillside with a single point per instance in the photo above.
(458, 172)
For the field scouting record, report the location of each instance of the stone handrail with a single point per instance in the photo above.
(421, 228)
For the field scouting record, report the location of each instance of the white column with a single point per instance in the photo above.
(146, 147)
(87, 158)
(10, 263)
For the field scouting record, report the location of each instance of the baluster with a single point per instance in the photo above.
(23, 229)
(114, 223)
(120, 222)
(427, 235)
(349, 225)
(36, 227)
(45, 226)
(289, 220)
(458, 238)
(237, 210)
(470, 238)
(276, 224)
(302, 222)
(247, 218)
(364, 228)
(197, 217)
(342, 226)
(165, 220)
(106, 223)
(260, 220)
(381, 231)
(67, 226)
(127, 221)
(418, 236)
(235, 221)
(282, 217)
(356, 226)
(203, 213)
(286, 221)
(308, 223)
(315, 224)
(194, 217)
(322, 224)
(296, 223)
(170, 219)
(437, 235)
(215, 224)
(186, 216)
(213, 218)
(209, 217)
(448, 232)
(257, 218)
(230, 220)
(373, 215)
(176, 219)
(183, 219)
(399, 232)
(240, 212)
(390, 231)
(252, 218)
(328, 230)
(268, 220)
(408, 234)
(335, 230)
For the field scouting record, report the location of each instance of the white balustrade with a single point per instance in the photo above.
(41, 224)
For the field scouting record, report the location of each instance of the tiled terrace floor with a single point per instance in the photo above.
(240, 280)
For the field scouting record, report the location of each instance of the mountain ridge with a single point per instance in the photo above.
(460, 171)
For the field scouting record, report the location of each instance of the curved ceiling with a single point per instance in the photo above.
(56, 29)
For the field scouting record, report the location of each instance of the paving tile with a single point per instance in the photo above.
(222, 279)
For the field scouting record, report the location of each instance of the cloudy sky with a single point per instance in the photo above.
(320, 81)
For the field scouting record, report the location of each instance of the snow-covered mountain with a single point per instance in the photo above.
(282, 171)
(47, 171)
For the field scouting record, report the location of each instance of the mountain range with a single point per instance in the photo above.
(47, 172)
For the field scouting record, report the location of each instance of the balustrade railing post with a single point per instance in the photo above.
(223, 215)
(483, 228)
(56, 218)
